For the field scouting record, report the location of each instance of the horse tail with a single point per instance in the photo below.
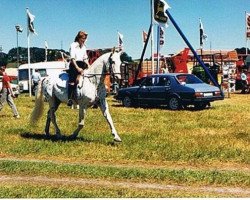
(39, 105)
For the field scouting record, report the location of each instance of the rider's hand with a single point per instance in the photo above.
(81, 71)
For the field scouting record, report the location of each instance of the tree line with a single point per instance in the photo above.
(38, 55)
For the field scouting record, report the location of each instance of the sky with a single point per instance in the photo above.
(58, 21)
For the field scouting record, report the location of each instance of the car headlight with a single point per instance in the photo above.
(217, 93)
(199, 94)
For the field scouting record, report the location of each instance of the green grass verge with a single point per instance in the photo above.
(197, 177)
(43, 191)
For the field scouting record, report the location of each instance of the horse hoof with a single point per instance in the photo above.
(72, 137)
(58, 137)
(117, 139)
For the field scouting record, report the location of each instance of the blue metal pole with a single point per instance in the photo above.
(192, 49)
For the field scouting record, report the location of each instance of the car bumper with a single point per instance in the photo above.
(204, 99)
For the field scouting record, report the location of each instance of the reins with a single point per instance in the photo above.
(110, 69)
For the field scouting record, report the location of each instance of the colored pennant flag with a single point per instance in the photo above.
(144, 36)
(120, 40)
(160, 16)
(247, 25)
(31, 19)
(203, 36)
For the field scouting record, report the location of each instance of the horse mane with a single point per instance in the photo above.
(98, 62)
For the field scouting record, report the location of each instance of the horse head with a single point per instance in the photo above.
(115, 64)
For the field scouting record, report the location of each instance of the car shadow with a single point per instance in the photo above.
(162, 107)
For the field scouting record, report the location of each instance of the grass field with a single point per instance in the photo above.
(164, 153)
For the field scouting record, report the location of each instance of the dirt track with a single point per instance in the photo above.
(4, 179)
(123, 184)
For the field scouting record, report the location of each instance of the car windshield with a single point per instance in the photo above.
(188, 79)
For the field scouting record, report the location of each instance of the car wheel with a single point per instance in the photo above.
(174, 103)
(127, 101)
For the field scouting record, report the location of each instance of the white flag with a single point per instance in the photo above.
(46, 45)
(120, 40)
(203, 36)
(31, 19)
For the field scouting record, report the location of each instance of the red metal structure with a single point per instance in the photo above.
(134, 71)
(179, 61)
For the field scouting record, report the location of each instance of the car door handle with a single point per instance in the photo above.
(167, 89)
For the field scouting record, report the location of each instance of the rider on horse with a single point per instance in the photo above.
(79, 62)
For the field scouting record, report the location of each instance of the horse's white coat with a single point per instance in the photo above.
(90, 90)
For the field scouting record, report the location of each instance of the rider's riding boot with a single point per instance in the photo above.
(70, 94)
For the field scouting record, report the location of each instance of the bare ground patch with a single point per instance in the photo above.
(236, 191)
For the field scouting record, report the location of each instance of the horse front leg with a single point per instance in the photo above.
(82, 112)
(105, 110)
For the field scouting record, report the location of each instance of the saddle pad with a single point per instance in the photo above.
(62, 80)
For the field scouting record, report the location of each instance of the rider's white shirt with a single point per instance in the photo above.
(78, 53)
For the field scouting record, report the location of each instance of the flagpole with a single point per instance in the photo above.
(246, 31)
(192, 49)
(28, 39)
(158, 49)
(46, 51)
(142, 55)
(152, 36)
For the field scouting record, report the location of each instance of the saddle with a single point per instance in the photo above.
(89, 91)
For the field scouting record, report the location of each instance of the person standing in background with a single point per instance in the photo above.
(36, 78)
(7, 93)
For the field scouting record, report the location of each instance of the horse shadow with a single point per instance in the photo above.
(54, 138)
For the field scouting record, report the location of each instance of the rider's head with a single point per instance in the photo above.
(81, 37)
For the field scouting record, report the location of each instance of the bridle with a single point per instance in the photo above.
(107, 69)
(110, 66)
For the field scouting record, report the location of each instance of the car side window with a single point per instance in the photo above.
(163, 81)
(148, 82)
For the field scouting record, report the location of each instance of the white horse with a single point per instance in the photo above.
(90, 90)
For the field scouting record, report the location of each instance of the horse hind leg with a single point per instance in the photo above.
(106, 114)
(47, 126)
(52, 118)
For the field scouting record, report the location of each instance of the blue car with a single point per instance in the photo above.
(176, 90)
